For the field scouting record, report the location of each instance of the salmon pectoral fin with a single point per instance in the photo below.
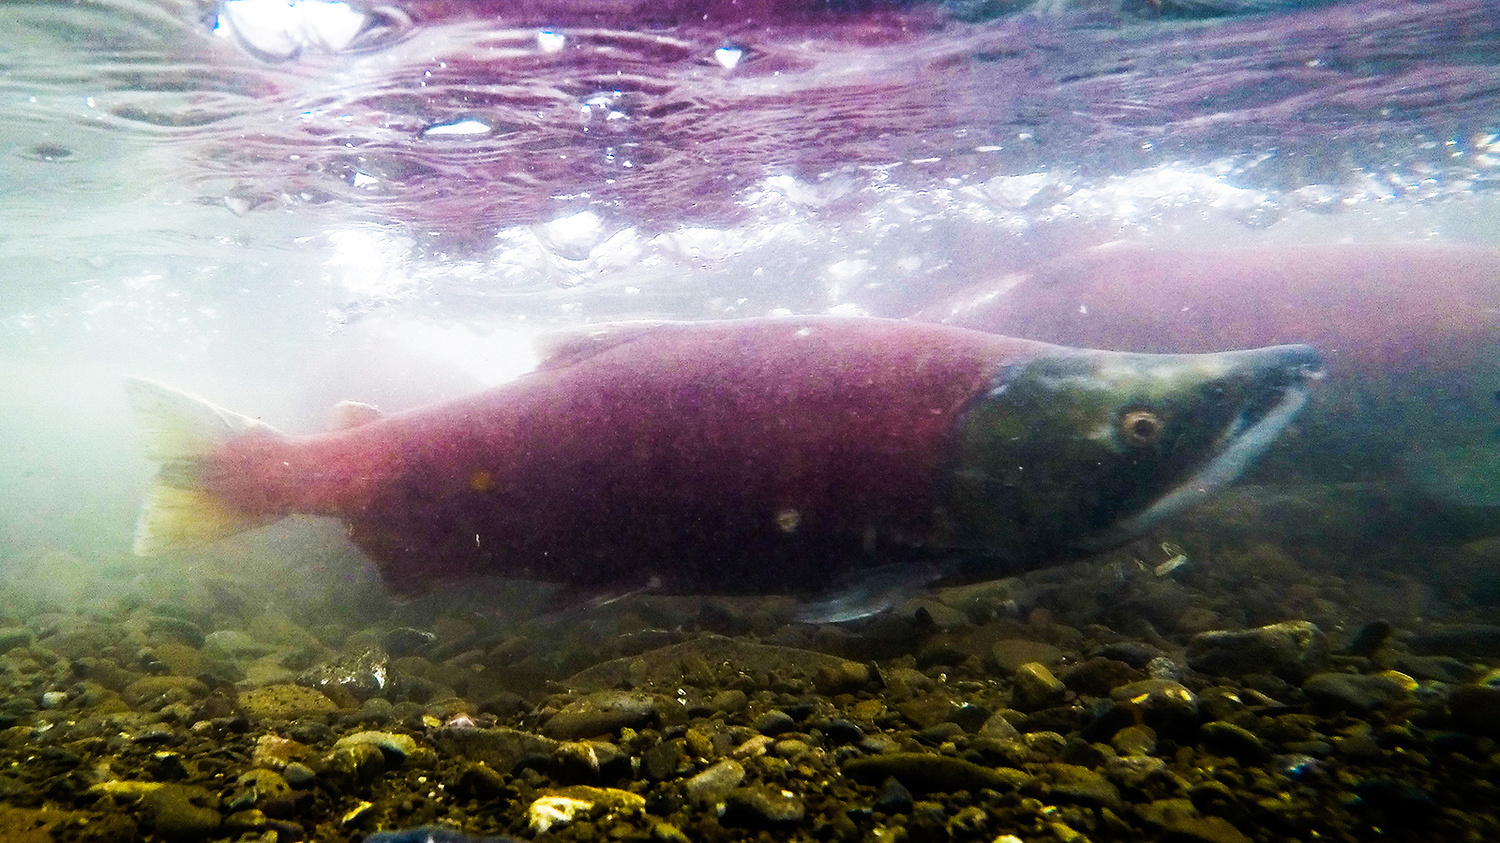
(180, 430)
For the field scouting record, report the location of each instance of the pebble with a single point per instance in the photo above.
(774, 722)
(729, 702)
(406, 641)
(762, 806)
(12, 637)
(1082, 786)
(838, 730)
(842, 678)
(359, 676)
(284, 702)
(433, 834)
(153, 693)
(921, 772)
(894, 798)
(998, 726)
(602, 713)
(1134, 653)
(1166, 706)
(182, 812)
(1134, 740)
(712, 785)
(1354, 692)
(234, 645)
(1476, 708)
(1036, 687)
(1011, 653)
(395, 747)
(299, 775)
(1203, 830)
(1291, 649)
(1230, 740)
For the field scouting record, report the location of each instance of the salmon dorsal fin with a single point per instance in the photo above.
(562, 348)
(347, 414)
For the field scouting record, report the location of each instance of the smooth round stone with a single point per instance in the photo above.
(761, 806)
(1227, 739)
(1134, 741)
(715, 783)
(922, 772)
(299, 775)
(603, 713)
(183, 812)
(774, 722)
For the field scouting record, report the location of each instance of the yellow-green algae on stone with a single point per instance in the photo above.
(285, 702)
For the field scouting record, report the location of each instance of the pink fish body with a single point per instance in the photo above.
(746, 455)
(1411, 334)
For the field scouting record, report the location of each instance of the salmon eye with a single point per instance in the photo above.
(1140, 427)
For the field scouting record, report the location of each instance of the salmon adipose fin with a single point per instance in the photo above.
(180, 430)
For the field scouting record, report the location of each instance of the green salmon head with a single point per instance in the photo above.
(1079, 449)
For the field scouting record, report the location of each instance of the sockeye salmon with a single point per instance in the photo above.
(757, 455)
(1411, 334)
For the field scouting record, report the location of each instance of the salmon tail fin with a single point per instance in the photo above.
(180, 430)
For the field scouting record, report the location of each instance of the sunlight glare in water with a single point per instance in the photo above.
(280, 30)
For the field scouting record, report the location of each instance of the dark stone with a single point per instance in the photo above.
(1354, 692)
(1203, 830)
(924, 773)
(602, 713)
(729, 702)
(1398, 800)
(1369, 638)
(1233, 741)
(1442, 668)
(1010, 653)
(1292, 650)
(970, 717)
(309, 731)
(182, 812)
(894, 798)
(1166, 706)
(479, 781)
(664, 761)
(299, 775)
(1098, 676)
(360, 676)
(774, 722)
(940, 733)
(1137, 654)
(759, 806)
(1082, 786)
(838, 730)
(1471, 640)
(502, 749)
(503, 704)
(12, 637)
(166, 767)
(434, 834)
(406, 641)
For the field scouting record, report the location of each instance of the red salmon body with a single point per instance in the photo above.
(758, 439)
(753, 455)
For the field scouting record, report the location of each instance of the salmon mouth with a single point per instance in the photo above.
(1259, 421)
